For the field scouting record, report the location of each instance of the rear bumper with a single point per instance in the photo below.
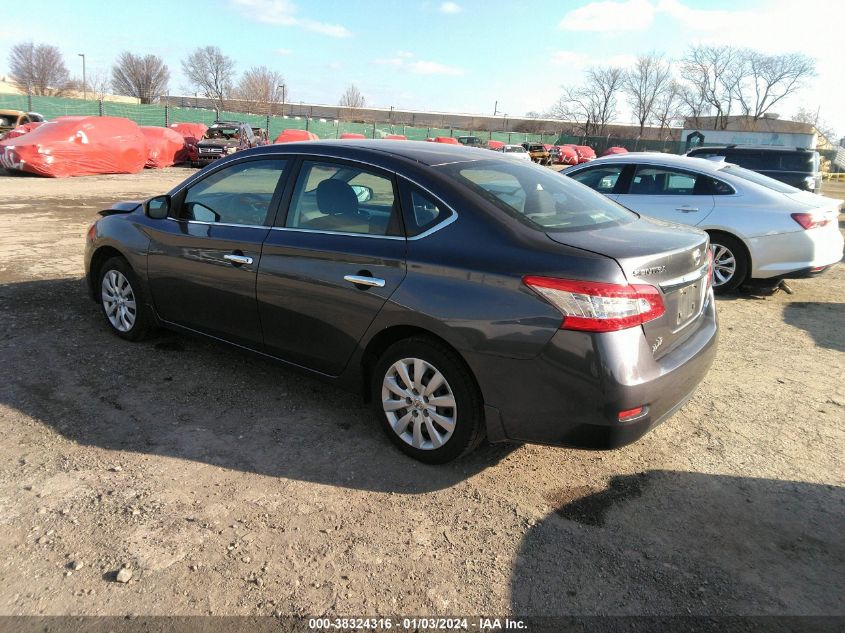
(571, 394)
(785, 255)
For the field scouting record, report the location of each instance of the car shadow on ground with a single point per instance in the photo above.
(678, 543)
(817, 319)
(191, 399)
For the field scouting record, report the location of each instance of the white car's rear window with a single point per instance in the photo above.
(759, 179)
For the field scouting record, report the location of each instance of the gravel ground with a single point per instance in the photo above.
(213, 482)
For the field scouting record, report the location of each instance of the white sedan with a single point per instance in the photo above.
(759, 228)
(515, 151)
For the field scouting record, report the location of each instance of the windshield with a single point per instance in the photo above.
(759, 179)
(513, 148)
(222, 132)
(539, 197)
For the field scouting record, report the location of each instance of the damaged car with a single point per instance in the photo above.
(222, 138)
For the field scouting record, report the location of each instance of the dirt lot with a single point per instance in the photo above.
(232, 486)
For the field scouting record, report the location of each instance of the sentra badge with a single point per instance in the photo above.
(648, 271)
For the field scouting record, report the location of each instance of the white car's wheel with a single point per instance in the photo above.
(730, 263)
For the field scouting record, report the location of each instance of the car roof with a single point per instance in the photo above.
(423, 152)
(658, 158)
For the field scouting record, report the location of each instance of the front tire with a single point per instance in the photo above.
(427, 401)
(122, 300)
(730, 263)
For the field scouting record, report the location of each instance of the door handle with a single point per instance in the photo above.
(360, 280)
(686, 209)
(237, 260)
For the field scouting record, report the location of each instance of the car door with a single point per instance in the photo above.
(330, 263)
(669, 193)
(202, 261)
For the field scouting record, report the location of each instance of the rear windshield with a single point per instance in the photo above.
(760, 179)
(538, 197)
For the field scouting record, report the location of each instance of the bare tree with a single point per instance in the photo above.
(98, 82)
(211, 71)
(770, 78)
(593, 105)
(814, 118)
(261, 85)
(714, 75)
(352, 98)
(692, 103)
(668, 106)
(38, 69)
(643, 85)
(142, 77)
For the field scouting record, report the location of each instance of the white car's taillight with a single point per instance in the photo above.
(593, 306)
(811, 220)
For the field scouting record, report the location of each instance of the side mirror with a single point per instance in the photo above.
(363, 193)
(157, 208)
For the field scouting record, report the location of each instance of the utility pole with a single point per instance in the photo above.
(496, 108)
(283, 87)
(84, 89)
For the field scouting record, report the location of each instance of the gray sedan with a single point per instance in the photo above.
(466, 295)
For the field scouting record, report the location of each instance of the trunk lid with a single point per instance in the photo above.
(671, 257)
(815, 201)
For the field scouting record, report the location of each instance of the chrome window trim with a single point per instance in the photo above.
(245, 226)
(344, 233)
(291, 155)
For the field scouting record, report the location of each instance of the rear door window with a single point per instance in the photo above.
(341, 198)
(665, 181)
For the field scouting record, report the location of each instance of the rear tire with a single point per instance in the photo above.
(730, 262)
(122, 301)
(427, 400)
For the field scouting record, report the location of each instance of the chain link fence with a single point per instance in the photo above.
(144, 114)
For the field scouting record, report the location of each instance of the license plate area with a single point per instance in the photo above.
(688, 303)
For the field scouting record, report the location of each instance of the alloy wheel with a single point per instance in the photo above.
(118, 301)
(724, 264)
(419, 403)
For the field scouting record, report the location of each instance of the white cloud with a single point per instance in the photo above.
(450, 7)
(284, 13)
(284, 51)
(580, 61)
(405, 61)
(628, 15)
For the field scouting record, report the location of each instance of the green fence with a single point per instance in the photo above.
(601, 143)
(143, 114)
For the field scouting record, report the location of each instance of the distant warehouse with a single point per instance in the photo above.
(746, 130)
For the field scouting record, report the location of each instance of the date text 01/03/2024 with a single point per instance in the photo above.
(447, 624)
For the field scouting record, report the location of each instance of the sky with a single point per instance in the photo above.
(464, 56)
